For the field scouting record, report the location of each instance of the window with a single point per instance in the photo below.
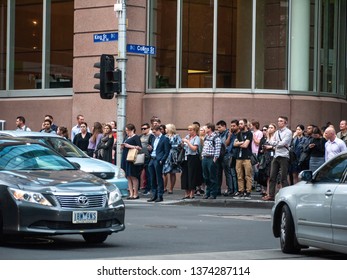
(40, 52)
(3, 36)
(27, 44)
(197, 44)
(234, 44)
(163, 36)
(271, 44)
(292, 46)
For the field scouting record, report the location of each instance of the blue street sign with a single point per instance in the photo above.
(141, 49)
(105, 37)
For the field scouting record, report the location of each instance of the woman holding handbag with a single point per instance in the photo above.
(132, 171)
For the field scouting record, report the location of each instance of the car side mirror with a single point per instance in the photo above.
(306, 175)
(76, 165)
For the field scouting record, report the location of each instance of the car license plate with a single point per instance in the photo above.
(84, 217)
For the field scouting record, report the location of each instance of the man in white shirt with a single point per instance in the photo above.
(280, 162)
(334, 145)
(20, 123)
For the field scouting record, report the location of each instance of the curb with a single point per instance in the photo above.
(225, 203)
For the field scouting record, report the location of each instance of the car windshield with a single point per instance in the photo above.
(63, 146)
(333, 171)
(31, 156)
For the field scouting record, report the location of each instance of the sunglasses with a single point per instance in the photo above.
(144, 128)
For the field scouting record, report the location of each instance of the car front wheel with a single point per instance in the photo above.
(289, 243)
(95, 237)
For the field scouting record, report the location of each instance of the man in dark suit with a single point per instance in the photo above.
(159, 151)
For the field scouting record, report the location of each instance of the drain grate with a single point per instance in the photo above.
(161, 226)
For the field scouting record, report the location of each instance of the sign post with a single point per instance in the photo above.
(120, 9)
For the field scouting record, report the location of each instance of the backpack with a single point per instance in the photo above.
(223, 148)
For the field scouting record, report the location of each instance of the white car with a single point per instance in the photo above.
(313, 212)
(102, 169)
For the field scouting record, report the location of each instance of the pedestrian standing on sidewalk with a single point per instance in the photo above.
(280, 162)
(210, 155)
(191, 167)
(224, 161)
(243, 161)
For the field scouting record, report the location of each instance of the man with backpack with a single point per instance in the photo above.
(224, 159)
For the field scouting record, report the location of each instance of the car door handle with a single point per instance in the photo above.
(329, 193)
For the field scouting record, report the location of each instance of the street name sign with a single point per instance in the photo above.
(105, 37)
(141, 49)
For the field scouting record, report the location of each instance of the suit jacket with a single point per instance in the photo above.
(163, 149)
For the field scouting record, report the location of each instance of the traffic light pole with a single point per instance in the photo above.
(121, 59)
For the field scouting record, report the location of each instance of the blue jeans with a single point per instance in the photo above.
(156, 176)
(234, 179)
(209, 171)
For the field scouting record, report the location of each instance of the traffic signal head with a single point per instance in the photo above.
(117, 78)
(106, 66)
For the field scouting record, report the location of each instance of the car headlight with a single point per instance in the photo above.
(27, 196)
(121, 173)
(114, 196)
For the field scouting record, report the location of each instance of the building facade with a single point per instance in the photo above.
(215, 59)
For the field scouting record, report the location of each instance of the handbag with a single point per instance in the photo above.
(254, 159)
(131, 156)
(140, 159)
(181, 155)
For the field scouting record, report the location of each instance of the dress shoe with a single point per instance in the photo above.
(152, 199)
(205, 197)
(159, 199)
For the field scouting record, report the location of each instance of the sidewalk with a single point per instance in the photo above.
(220, 201)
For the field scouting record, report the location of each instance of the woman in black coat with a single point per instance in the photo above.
(104, 148)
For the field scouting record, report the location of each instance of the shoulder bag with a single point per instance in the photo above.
(132, 154)
(140, 159)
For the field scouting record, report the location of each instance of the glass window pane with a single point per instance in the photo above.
(60, 46)
(234, 50)
(163, 36)
(3, 35)
(328, 47)
(271, 44)
(197, 44)
(28, 44)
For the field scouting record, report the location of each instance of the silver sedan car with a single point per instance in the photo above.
(102, 169)
(313, 212)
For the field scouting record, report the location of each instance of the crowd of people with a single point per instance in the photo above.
(246, 155)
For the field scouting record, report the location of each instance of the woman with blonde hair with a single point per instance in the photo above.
(170, 167)
(266, 152)
(191, 167)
